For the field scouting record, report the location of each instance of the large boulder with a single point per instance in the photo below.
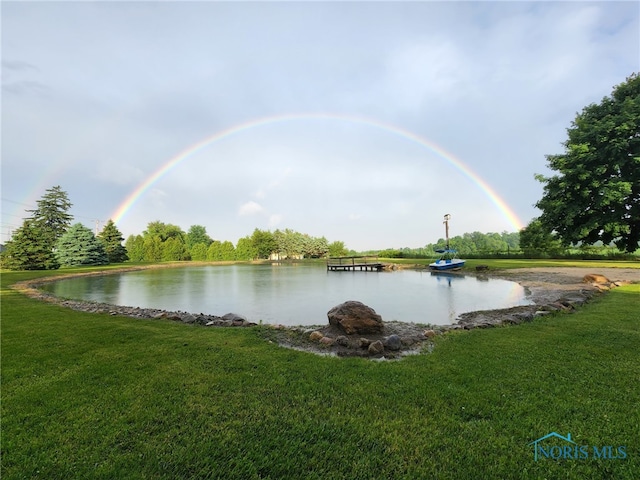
(595, 278)
(355, 317)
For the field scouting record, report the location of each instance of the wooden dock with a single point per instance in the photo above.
(350, 264)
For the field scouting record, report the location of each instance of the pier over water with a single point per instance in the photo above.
(363, 263)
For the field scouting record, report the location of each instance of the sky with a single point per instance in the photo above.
(363, 122)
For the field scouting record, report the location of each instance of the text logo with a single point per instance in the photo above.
(556, 447)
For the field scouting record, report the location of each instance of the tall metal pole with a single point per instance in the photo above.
(446, 227)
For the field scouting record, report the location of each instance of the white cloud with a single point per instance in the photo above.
(250, 208)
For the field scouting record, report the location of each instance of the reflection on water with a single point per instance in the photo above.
(297, 294)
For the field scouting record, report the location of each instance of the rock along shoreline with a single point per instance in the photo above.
(551, 290)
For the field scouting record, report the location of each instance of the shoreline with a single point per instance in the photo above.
(550, 289)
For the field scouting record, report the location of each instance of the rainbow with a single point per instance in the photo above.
(131, 199)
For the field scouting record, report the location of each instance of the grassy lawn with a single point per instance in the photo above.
(99, 396)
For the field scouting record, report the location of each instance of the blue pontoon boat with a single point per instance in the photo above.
(447, 260)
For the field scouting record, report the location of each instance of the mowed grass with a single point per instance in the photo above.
(99, 396)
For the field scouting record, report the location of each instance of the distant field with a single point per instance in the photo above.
(99, 396)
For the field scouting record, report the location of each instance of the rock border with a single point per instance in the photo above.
(31, 289)
(396, 340)
(399, 339)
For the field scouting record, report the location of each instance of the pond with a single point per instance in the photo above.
(296, 294)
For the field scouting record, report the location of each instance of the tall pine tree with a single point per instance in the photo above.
(32, 245)
(27, 251)
(52, 216)
(112, 240)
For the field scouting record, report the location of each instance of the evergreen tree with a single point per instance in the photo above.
(32, 246)
(245, 249)
(27, 251)
(227, 251)
(112, 240)
(51, 215)
(199, 252)
(135, 248)
(152, 249)
(79, 246)
(214, 252)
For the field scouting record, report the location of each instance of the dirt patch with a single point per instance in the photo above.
(548, 284)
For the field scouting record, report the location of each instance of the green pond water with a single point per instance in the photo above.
(296, 294)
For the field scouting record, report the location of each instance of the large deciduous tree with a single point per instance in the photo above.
(163, 231)
(164, 242)
(337, 249)
(79, 246)
(596, 194)
(112, 240)
(197, 234)
(174, 249)
(315, 247)
(263, 243)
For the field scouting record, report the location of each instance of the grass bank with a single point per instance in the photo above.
(99, 396)
(508, 263)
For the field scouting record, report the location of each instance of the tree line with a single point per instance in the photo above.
(475, 243)
(166, 242)
(47, 239)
